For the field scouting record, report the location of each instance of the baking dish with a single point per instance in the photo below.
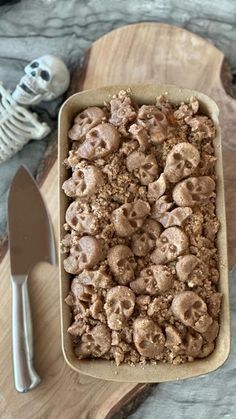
(107, 370)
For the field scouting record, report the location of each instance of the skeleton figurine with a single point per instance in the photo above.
(45, 79)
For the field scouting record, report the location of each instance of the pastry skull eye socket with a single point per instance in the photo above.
(81, 222)
(144, 167)
(172, 243)
(45, 78)
(122, 264)
(119, 306)
(83, 183)
(193, 191)
(185, 266)
(181, 162)
(100, 141)
(85, 121)
(153, 280)
(191, 310)
(129, 217)
(148, 338)
(145, 240)
(95, 343)
(87, 253)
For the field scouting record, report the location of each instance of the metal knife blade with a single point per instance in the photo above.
(31, 237)
(31, 240)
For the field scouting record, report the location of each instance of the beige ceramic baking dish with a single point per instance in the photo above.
(143, 94)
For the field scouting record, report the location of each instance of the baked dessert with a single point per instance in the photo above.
(141, 230)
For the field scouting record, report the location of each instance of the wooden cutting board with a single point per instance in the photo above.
(147, 52)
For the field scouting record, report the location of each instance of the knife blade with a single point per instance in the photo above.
(31, 240)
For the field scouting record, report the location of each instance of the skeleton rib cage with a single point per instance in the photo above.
(17, 126)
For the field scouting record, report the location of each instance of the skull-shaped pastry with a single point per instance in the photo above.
(119, 306)
(98, 278)
(185, 266)
(174, 340)
(144, 167)
(172, 243)
(157, 189)
(85, 121)
(122, 264)
(84, 182)
(100, 141)
(212, 332)
(87, 253)
(129, 217)
(153, 280)
(45, 78)
(82, 291)
(191, 310)
(176, 217)
(140, 135)
(193, 191)
(155, 121)
(161, 206)
(145, 240)
(81, 222)
(94, 343)
(148, 338)
(122, 110)
(193, 344)
(181, 162)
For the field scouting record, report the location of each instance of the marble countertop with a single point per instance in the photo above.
(29, 29)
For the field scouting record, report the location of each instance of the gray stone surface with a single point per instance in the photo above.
(29, 29)
(211, 396)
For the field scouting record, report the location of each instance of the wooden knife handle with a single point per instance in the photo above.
(25, 376)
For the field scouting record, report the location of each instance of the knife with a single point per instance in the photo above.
(31, 240)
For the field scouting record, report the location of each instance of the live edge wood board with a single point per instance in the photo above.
(147, 52)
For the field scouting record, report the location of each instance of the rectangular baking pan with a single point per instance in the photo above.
(107, 370)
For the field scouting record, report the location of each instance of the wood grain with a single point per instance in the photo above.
(137, 53)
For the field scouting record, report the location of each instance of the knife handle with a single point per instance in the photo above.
(25, 376)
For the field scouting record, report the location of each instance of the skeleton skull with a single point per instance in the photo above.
(119, 306)
(100, 141)
(94, 343)
(194, 191)
(129, 217)
(181, 162)
(176, 217)
(85, 121)
(45, 79)
(80, 221)
(83, 183)
(145, 240)
(172, 243)
(148, 338)
(185, 266)
(87, 253)
(153, 280)
(144, 167)
(191, 310)
(121, 261)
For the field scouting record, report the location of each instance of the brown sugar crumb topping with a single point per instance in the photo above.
(141, 229)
